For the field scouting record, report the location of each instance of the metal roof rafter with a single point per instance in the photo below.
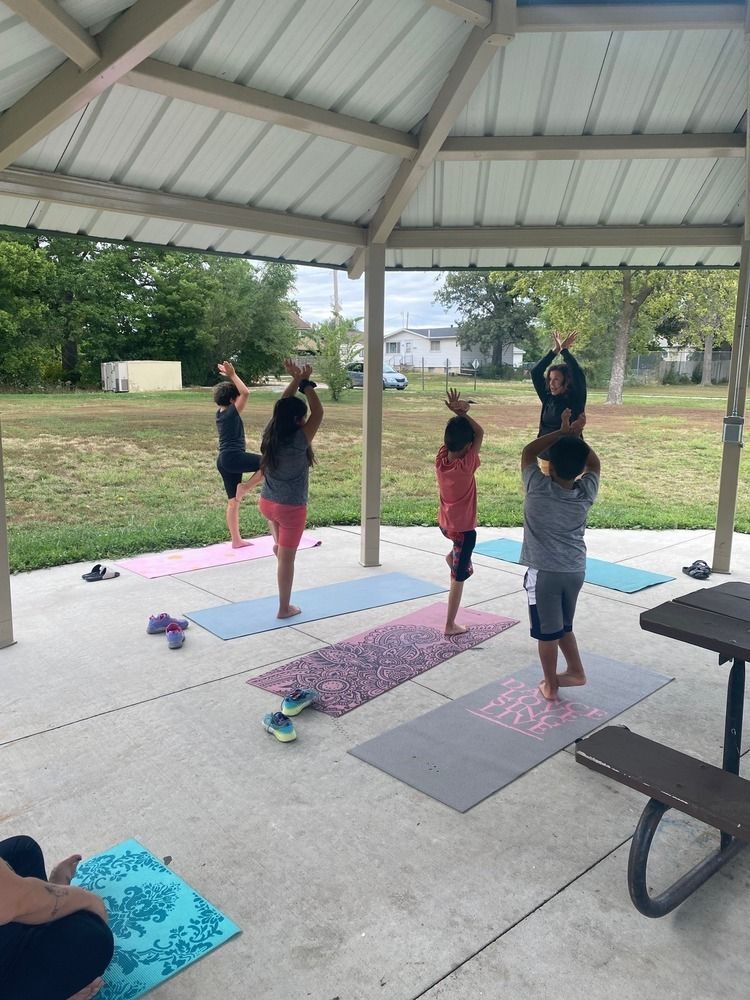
(58, 27)
(529, 237)
(108, 197)
(631, 17)
(593, 147)
(209, 91)
(605, 16)
(137, 33)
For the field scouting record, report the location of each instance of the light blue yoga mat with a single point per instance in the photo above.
(229, 621)
(598, 571)
(160, 924)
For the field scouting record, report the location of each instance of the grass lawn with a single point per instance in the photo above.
(101, 475)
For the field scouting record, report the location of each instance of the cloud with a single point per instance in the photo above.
(407, 293)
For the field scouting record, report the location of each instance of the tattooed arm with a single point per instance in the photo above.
(32, 901)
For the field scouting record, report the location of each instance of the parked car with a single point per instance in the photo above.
(391, 378)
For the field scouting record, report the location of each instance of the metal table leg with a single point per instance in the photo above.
(733, 726)
(678, 892)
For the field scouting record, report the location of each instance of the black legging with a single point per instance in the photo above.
(49, 961)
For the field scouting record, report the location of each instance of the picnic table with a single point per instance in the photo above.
(715, 618)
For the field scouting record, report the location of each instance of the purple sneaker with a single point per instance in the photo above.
(175, 636)
(159, 623)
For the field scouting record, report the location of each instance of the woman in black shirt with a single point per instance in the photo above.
(559, 387)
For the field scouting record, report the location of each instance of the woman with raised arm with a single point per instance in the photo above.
(560, 387)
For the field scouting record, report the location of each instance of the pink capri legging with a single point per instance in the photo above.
(290, 518)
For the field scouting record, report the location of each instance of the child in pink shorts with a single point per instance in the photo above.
(286, 457)
(455, 465)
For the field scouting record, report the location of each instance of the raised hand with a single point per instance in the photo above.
(576, 427)
(455, 403)
(226, 368)
(569, 340)
(306, 372)
(293, 369)
(556, 341)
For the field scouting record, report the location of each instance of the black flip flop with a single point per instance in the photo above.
(699, 570)
(93, 572)
(103, 574)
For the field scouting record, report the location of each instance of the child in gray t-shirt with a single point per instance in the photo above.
(554, 521)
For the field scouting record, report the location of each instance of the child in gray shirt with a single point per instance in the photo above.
(554, 521)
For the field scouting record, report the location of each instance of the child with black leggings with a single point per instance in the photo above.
(233, 461)
(455, 465)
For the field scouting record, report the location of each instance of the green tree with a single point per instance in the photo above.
(495, 310)
(705, 304)
(24, 276)
(336, 349)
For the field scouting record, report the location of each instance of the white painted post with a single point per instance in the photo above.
(372, 406)
(6, 616)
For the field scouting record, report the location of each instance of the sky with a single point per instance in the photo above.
(407, 293)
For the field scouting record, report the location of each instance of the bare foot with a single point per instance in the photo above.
(241, 544)
(455, 629)
(571, 679)
(547, 691)
(290, 612)
(62, 873)
(89, 991)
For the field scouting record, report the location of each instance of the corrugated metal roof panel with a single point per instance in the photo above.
(15, 211)
(384, 61)
(380, 61)
(26, 57)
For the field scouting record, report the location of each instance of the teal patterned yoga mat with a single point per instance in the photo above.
(160, 924)
(615, 576)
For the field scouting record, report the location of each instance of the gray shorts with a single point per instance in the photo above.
(552, 602)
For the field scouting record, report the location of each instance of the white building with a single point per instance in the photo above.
(436, 347)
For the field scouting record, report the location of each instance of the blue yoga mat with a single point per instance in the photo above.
(598, 571)
(229, 621)
(160, 924)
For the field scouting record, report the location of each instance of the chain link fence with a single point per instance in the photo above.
(654, 368)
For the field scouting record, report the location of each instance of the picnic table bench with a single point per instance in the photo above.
(717, 618)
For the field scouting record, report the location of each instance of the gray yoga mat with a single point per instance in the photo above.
(464, 751)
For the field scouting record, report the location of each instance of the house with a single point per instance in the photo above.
(436, 347)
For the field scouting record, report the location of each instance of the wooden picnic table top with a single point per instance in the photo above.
(716, 618)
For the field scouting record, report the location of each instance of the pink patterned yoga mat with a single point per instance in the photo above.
(349, 673)
(184, 560)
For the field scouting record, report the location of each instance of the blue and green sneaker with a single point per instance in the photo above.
(281, 727)
(297, 700)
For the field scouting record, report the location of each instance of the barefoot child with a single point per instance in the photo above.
(554, 521)
(455, 465)
(233, 460)
(286, 459)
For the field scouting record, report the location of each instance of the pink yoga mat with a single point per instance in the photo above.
(349, 673)
(155, 564)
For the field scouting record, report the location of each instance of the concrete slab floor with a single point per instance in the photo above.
(346, 882)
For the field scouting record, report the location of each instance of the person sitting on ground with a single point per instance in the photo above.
(559, 387)
(54, 940)
(455, 465)
(286, 459)
(554, 521)
(232, 460)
